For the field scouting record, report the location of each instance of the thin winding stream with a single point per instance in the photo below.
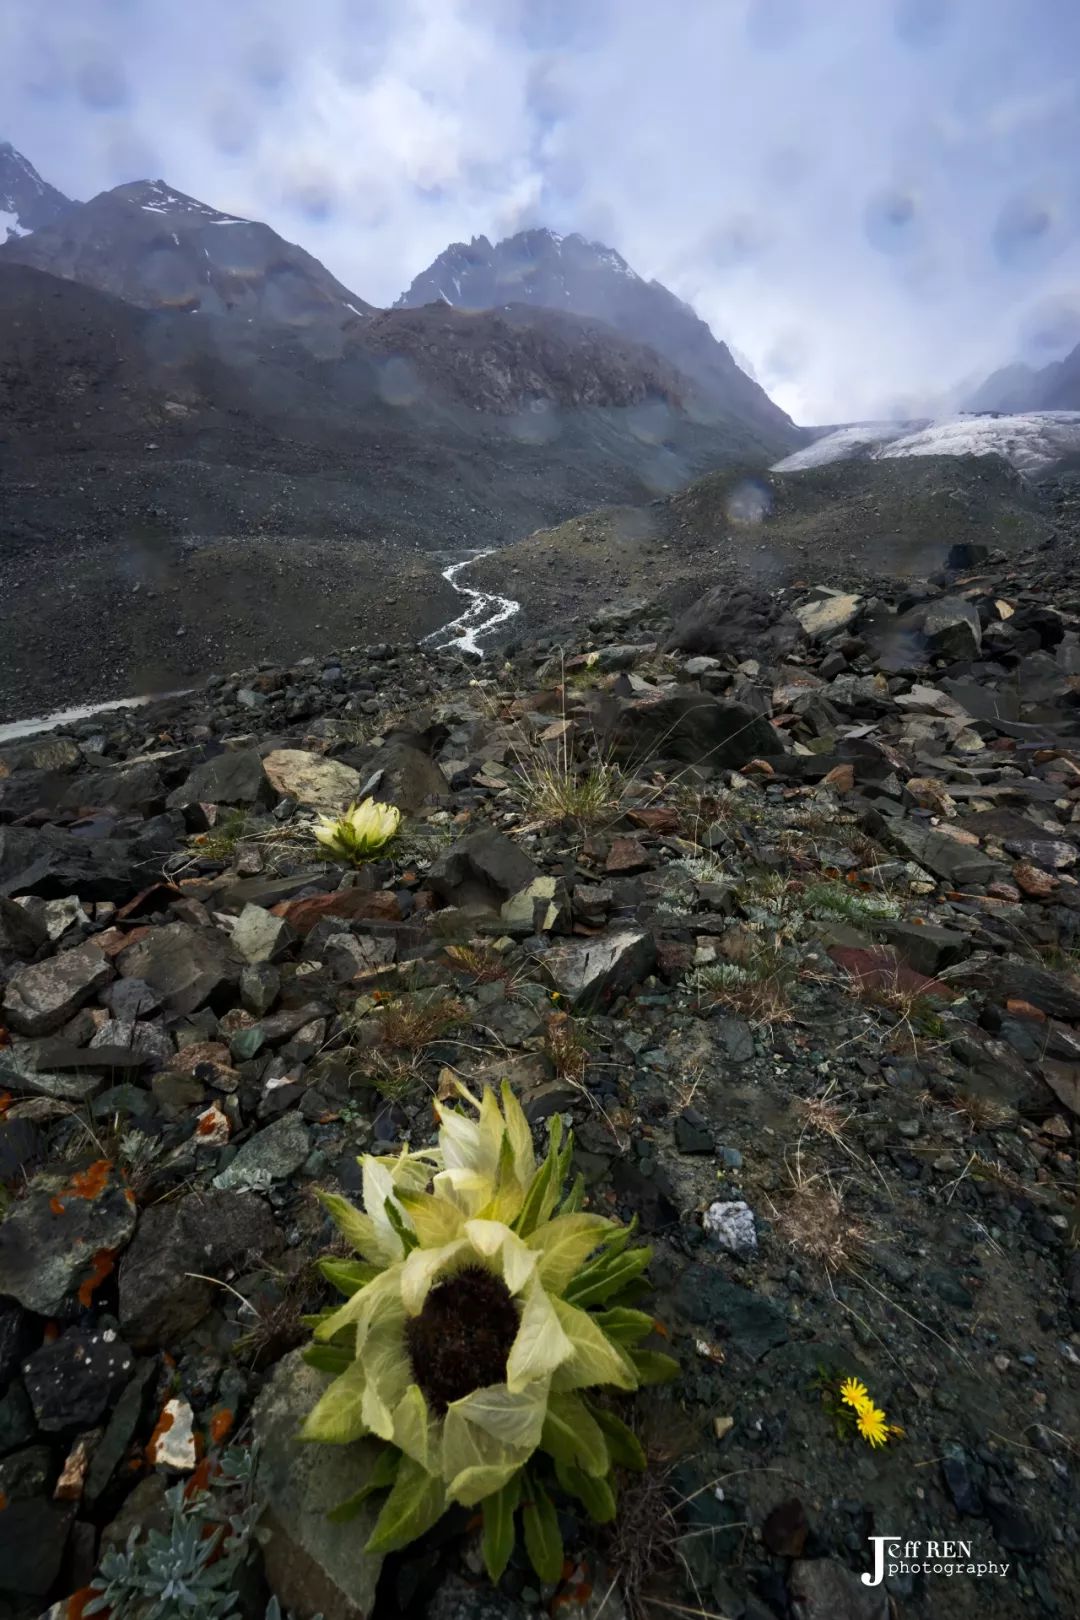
(484, 612)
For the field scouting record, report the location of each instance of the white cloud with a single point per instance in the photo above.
(870, 198)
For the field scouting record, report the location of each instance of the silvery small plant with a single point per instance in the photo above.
(167, 1574)
(192, 1568)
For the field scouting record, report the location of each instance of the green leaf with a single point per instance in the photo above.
(330, 1358)
(355, 1227)
(543, 1539)
(382, 1475)
(606, 1276)
(564, 1244)
(571, 1434)
(347, 1276)
(416, 1501)
(653, 1367)
(543, 1192)
(622, 1443)
(409, 1239)
(625, 1327)
(498, 1539)
(595, 1359)
(597, 1496)
(336, 1417)
(575, 1197)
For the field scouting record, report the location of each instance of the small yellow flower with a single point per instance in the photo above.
(872, 1425)
(855, 1394)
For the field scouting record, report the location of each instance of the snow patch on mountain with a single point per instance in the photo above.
(9, 225)
(1030, 440)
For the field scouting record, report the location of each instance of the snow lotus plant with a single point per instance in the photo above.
(483, 1320)
(361, 832)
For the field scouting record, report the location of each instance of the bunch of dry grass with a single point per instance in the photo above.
(812, 1217)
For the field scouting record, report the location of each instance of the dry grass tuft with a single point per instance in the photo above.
(566, 1048)
(644, 1540)
(981, 1113)
(812, 1217)
(410, 1026)
(824, 1116)
(480, 962)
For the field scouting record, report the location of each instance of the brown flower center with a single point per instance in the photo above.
(462, 1337)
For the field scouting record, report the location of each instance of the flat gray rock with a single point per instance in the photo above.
(313, 1566)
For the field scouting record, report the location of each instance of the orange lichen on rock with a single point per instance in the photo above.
(221, 1424)
(101, 1266)
(91, 1182)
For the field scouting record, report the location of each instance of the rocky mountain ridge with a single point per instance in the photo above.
(160, 249)
(1020, 387)
(775, 902)
(543, 269)
(27, 202)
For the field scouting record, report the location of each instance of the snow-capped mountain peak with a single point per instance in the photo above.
(26, 200)
(570, 273)
(155, 197)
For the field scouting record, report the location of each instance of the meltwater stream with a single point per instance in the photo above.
(484, 612)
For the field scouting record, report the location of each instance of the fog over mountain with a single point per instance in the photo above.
(872, 202)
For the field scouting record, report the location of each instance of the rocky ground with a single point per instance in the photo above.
(777, 906)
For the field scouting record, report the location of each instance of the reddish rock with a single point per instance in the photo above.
(350, 905)
(842, 778)
(626, 856)
(879, 968)
(656, 818)
(1035, 883)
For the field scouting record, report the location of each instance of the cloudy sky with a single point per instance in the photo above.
(870, 200)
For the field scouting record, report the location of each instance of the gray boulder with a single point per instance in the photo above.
(187, 966)
(235, 777)
(952, 628)
(481, 872)
(40, 998)
(214, 1234)
(590, 972)
(684, 724)
(49, 1241)
(313, 1565)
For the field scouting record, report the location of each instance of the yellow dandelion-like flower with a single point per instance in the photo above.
(855, 1394)
(872, 1424)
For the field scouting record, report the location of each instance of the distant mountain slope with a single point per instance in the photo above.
(435, 425)
(1031, 441)
(156, 247)
(539, 267)
(1055, 387)
(27, 202)
(833, 524)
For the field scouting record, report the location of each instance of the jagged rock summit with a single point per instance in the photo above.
(542, 268)
(26, 200)
(155, 246)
